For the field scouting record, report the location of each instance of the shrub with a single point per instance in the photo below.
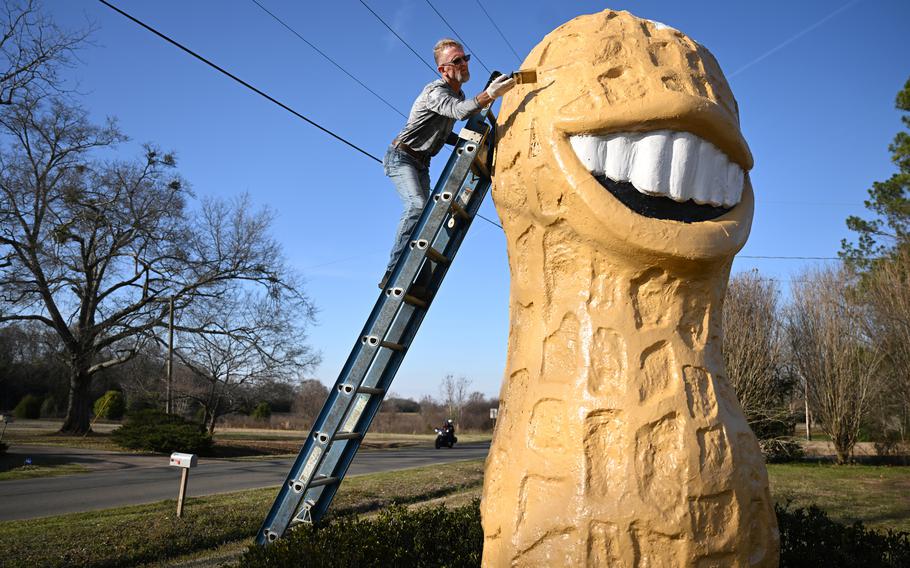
(809, 538)
(49, 408)
(779, 450)
(453, 537)
(155, 431)
(28, 407)
(111, 405)
(138, 403)
(429, 536)
(262, 411)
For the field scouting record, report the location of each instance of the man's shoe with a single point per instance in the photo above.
(385, 279)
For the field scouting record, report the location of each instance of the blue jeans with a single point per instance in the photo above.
(412, 181)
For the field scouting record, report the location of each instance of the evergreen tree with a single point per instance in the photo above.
(889, 230)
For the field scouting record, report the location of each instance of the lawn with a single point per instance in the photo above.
(879, 496)
(144, 533)
(28, 471)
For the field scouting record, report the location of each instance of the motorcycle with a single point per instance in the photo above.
(445, 438)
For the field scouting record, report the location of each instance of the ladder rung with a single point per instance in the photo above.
(320, 481)
(415, 301)
(459, 210)
(436, 256)
(347, 436)
(321, 464)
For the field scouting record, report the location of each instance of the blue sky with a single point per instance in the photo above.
(815, 82)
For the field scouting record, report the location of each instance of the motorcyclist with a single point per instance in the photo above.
(445, 436)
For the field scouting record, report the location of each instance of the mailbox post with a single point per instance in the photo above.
(184, 462)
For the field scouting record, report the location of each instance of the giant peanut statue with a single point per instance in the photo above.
(621, 183)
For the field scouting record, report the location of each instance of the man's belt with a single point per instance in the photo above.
(419, 156)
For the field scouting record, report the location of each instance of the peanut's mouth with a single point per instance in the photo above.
(663, 174)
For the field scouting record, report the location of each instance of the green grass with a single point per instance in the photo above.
(148, 533)
(94, 441)
(876, 495)
(879, 496)
(30, 471)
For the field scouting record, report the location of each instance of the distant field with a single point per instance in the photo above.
(45, 432)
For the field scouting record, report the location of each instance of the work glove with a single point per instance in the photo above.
(500, 86)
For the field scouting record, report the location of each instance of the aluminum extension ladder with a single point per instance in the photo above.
(370, 368)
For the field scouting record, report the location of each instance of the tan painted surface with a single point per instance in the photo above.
(619, 442)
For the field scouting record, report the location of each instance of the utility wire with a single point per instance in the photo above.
(499, 30)
(239, 80)
(332, 61)
(463, 42)
(252, 88)
(431, 68)
(790, 257)
(329, 132)
(435, 72)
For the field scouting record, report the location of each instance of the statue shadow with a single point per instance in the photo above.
(530, 96)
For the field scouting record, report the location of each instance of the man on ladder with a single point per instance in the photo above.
(433, 115)
(429, 237)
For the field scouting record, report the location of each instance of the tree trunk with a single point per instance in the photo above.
(78, 412)
(214, 416)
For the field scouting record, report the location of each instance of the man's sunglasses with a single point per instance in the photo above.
(459, 60)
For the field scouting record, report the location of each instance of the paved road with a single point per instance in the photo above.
(131, 480)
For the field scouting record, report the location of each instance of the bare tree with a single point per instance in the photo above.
(454, 394)
(92, 248)
(32, 52)
(311, 396)
(754, 352)
(240, 340)
(833, 354)
(886, 289)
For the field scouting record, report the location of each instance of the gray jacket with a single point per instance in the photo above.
(433, 116)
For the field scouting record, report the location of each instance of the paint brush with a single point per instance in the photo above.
(523, 76)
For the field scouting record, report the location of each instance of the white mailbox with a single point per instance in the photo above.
(183, 460)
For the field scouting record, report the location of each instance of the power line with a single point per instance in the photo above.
(252, 88)
(329, 132)
(418, 56)
(280, 21)
(499, 30)
(239, 80)
(788, 257)
(835, 203)
(463, 42)
(422, 60)
(332, 61)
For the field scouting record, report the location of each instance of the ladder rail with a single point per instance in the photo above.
(411, 328)
(371, 366)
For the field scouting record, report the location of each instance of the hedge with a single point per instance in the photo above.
(453, 537)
